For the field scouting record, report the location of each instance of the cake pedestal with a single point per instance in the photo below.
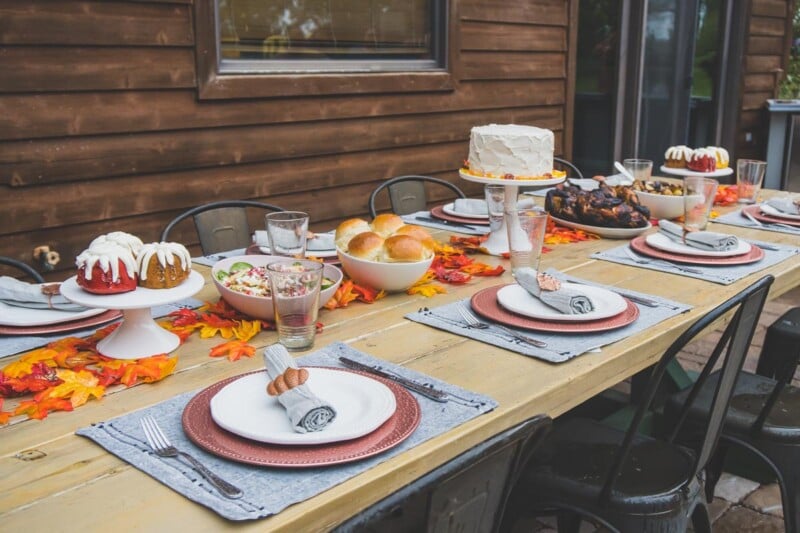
(497, 242)
(138, 335)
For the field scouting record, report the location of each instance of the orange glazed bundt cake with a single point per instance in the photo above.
(106, 268)
(677, 156)
(163, 265)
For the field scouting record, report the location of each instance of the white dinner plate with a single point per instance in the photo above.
(686, 172)
(322, 245)
(362, 404)
(517, 300)
(609, 233)
(450, 210)
(662, 242)
(769, 210)
(11, 315)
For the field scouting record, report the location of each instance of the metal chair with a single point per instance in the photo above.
(627, 481)
(570, 168)
(764, 418)
(19, 265)
(407, 193)
(221, 225)
(466, 494)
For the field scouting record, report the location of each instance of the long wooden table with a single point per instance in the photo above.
(53, 480)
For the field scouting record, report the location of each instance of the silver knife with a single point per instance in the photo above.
(449, 223)
(412, 385)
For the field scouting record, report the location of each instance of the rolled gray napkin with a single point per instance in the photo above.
(320, 242)
(306, 410)
(20, 294)
(790, 205)
(566, 300)
(702, 240)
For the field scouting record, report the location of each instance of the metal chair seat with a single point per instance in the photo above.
(220, 226)
(407, 193)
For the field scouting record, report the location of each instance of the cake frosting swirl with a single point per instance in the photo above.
(497, 150)
(106, 267)
(126, 240)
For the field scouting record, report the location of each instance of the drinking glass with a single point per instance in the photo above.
(495, 197)
(287, 232)
(526, 229)
(640, 169)
(295, 287)
(698, 197)
(749, 176)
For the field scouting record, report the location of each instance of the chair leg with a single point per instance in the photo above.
(568, 522)
(701, 519)
(714, 469)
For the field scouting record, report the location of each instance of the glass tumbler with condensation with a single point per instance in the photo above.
(287, 232)
(495, 198)
(698, 198)
(295, 287)
(749, 177)
(526, 230)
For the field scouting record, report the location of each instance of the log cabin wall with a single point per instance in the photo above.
(766, 55)
(101, 127)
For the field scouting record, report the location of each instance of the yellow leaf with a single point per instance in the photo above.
(77, 386)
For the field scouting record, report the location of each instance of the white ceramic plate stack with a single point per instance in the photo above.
(517, 300)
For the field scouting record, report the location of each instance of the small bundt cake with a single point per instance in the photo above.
(723, 159)
(163, 265)
(677, 156)
(703, 160)
(106, 268)
(126, 240)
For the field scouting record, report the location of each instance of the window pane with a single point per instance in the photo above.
(293, 33)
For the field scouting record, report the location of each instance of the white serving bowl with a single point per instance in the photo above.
(661, 205)
(390, 277)
(261, 306)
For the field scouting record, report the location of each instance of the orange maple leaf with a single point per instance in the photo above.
(40, 409)
(78, 387)
(148, 369)
(233, 350)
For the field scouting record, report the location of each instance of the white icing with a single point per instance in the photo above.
(499, 149)
(165, 252)
(703, 152)
(126, 240)
(680, 152)
(108, 256)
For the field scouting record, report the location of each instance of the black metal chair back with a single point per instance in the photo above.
(220, 225)
(23, 267)
(407, 193)
(572, 170)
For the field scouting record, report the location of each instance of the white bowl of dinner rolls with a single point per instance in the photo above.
(385, 254)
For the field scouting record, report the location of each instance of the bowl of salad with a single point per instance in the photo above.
(243, 282)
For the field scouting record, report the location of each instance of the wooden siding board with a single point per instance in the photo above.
(490, 65)
(772, 8)
(762, 63)
(32, 116)
(547, 12)
(761, 45)
(50, 69)
(771, 27)
(66, 22)
(512, 37)
(84, 158)
(759, 82)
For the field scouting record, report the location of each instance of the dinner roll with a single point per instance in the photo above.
(349, 229)
(386, 224)
(418, 233)
(403, 249)
(367, 245)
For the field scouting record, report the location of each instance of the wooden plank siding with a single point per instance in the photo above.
(102, 129)
(769, 33)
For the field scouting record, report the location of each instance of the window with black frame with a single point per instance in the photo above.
(319, 36)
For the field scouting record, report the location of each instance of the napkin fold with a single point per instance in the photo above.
(788, 205)
(550, 290)
(470, 206)
(702, 240)
(21, 294)
(307, 411)
(320, 242)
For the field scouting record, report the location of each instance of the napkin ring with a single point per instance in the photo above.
(291, 378)
(50, 290)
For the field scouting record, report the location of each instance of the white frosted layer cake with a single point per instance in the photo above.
(500, 149)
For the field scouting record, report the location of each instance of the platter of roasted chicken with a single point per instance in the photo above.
(613, 212)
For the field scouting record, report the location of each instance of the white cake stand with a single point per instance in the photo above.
(138, 335)
(497, 242)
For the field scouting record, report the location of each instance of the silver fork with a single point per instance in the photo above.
(646, 261)
(164, 448)
(760, 224)
(473, 322)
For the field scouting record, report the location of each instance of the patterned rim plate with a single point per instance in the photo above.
(755, 210)
(438, 212)
(485, 304)
(201, 429)
(61, 327)
(639, 244)
(450, 209)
